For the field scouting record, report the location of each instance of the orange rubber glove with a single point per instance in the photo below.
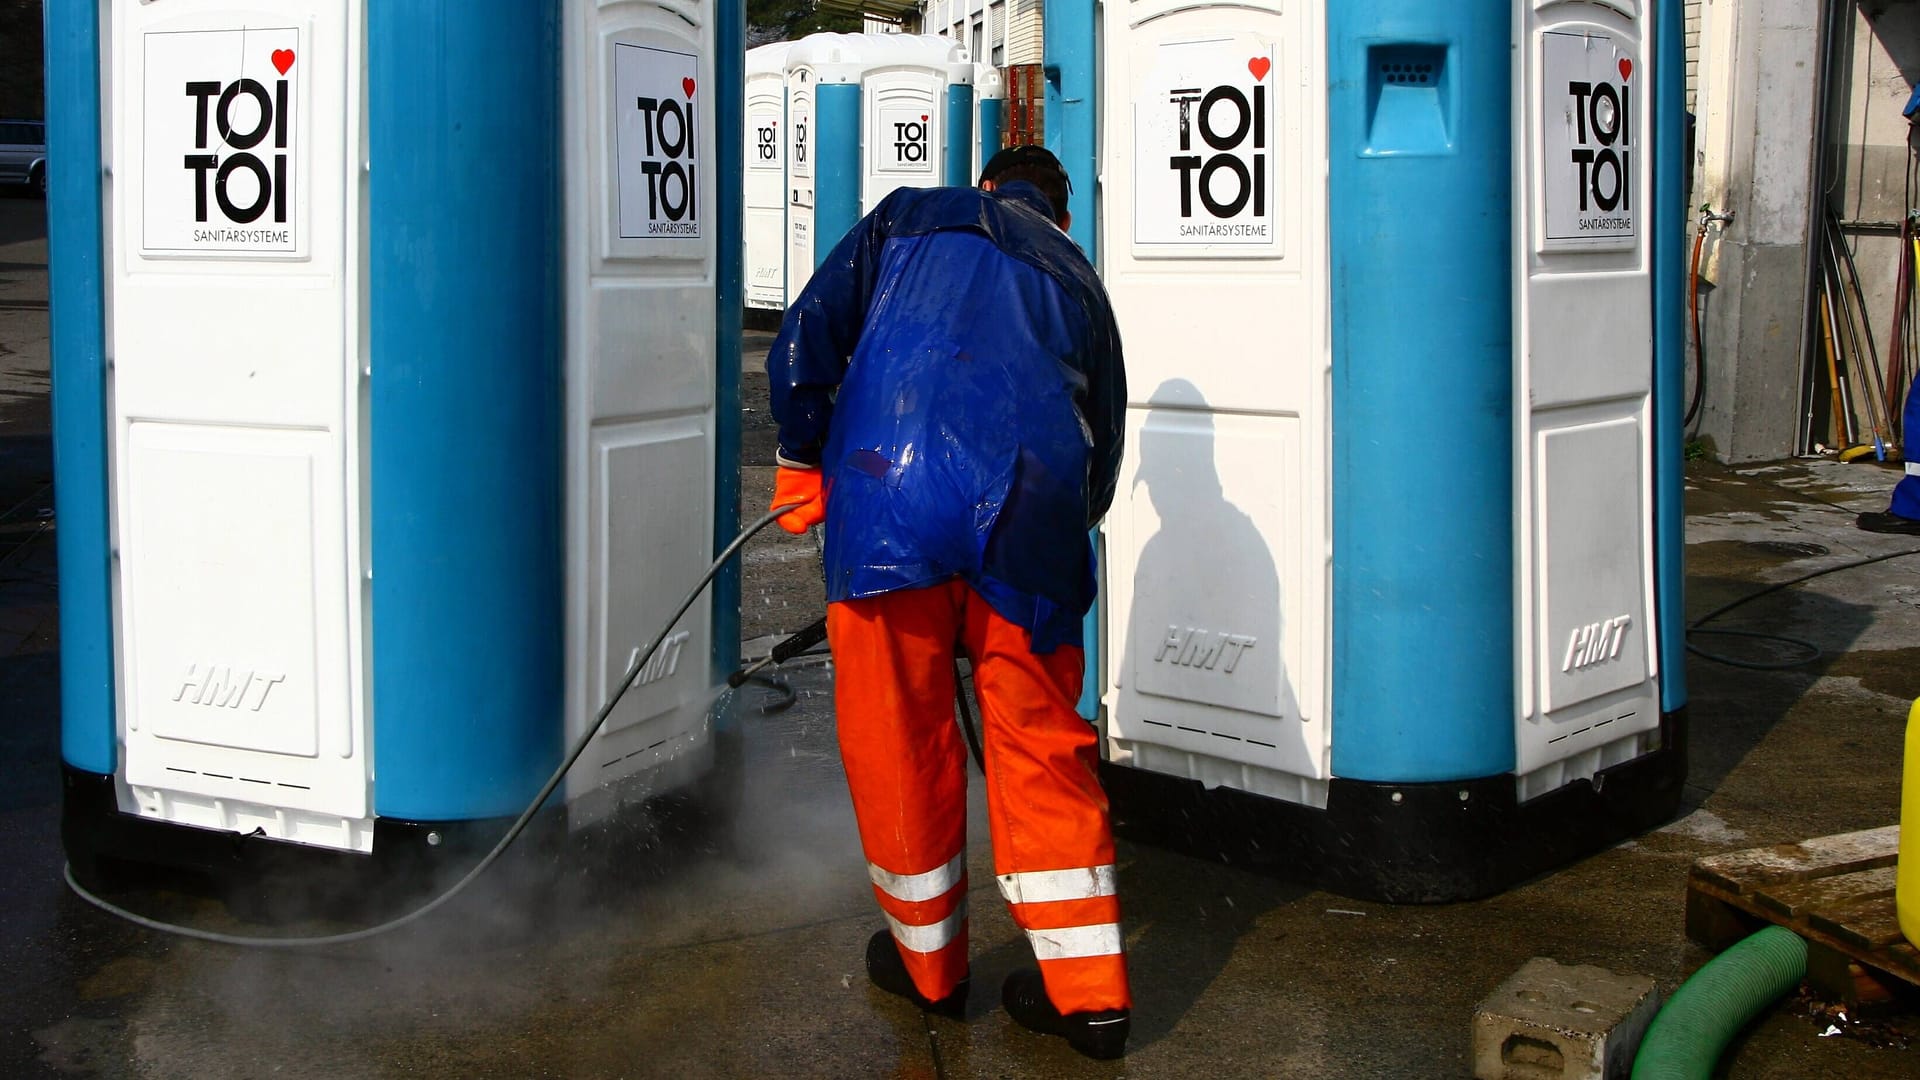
(799, 486)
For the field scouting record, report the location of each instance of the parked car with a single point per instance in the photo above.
(23, 154)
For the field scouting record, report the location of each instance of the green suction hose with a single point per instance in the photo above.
(1687, 1037)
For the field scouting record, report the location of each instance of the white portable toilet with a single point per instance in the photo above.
(869, 113)
(645, 227)
(916, 96)
(766, 178)
(1391, 579)
(990, 115)
(383, 489)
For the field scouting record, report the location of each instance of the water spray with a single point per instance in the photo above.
(513, 831)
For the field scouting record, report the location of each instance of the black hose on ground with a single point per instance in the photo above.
(1813, 651)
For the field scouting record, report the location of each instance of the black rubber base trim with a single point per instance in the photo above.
(1422, 843)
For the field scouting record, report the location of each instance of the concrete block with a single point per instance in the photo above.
(1554, 1022)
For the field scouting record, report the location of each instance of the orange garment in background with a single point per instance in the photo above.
(906, 767)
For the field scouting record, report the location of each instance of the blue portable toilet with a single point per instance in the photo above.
(411, 413)
(990, 114)
(868, 114)
(1391, 588)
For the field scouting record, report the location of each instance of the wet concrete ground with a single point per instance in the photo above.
(670, 947)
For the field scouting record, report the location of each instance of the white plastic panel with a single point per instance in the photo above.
(639, 471)
(235, 261)
(261, 687)
(800, 91)
(1588, 693)
(766, 179)
(1209, 638)
(640, 373)
(1590, 520)
(903, 128)
(1215, 641)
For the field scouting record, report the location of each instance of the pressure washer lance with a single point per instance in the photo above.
(815, 632)
(513, 832)
(806, 638)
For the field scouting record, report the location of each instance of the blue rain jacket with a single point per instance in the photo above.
(955, 369)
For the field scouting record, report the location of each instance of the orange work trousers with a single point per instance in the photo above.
(906, 767)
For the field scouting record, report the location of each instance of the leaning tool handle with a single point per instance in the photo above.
(809, 636)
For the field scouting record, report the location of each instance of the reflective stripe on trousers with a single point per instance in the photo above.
(927, 911)
(906, 769)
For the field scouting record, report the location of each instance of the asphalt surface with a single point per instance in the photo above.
(669, 946)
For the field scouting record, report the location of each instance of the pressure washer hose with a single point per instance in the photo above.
(1699, 347)
(513, 832)
(1812, 652)
(1692, 1030)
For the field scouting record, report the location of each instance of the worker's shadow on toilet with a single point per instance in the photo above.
(1206, 501)
(1203, 683)
(1202, 662)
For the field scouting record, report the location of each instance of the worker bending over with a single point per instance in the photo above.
(950, 397)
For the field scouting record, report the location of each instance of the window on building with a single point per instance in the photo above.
(979, 39)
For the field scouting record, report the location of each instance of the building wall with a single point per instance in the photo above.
(1770, 80)
(996, 32)
(1024, 37)
(1758, 78)
(1693, 20)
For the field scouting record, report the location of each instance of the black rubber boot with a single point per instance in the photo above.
(1887, 523)
(1100, 1035)
(887, 971)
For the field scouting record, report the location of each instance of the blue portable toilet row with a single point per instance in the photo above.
(1391, 588)
(368, 492)
(766, 180)
(865, 114)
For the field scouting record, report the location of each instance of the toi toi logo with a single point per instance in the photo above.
(1602, 112)
(765, 146)
(245, 114)
(671, 183)
(910, 141)
(1233, 124)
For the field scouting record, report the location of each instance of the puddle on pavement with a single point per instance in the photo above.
(1739, 558)
(1894, 672)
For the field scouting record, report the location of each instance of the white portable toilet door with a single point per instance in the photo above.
(1587, 693)
(1213, 248)
(766, 189)
(800, 180)
(235, 420)
(903, 126)
(641, 232)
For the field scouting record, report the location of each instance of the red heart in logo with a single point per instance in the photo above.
(282, 60)
(1626, 68)
(923, 118)
(687, 85)
(1259, 65)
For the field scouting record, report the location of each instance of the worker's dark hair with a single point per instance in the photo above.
(1035, 165)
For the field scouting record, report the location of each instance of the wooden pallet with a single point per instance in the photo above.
(1834, 891)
